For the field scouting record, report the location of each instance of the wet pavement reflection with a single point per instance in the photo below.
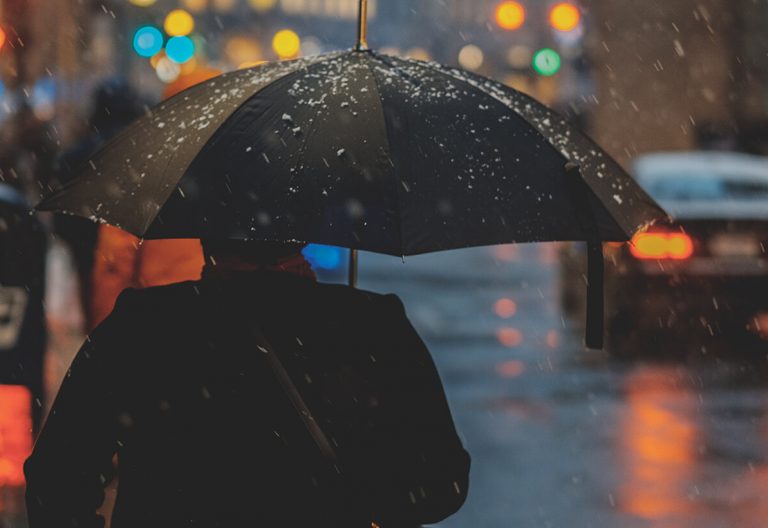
(564, 437)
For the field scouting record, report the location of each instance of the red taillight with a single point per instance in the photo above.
(661, 245)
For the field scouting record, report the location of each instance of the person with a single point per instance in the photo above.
(176, 383)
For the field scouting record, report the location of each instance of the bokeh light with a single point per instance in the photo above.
(323, 257)
(286, 44)
(564, 16)
(143, 3)
(509, 337)
(147, 41)
(510, 15)
(224, 6)
(262, 5)
(471, 57)
(547, 62)
(195, 6)
(167, 70)
(179, 23)
(510, 369)
(241, 48)
(519, 56)
(180, 49)
(418, 53)
(2, 38)
(505, 308)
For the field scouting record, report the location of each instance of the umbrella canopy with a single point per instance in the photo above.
(360, 150)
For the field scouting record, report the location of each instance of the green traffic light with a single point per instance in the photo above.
(547, 62)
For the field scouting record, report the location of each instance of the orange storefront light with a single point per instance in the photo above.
(661, 245)
(565, 16)
(510, 15)
(15, 433)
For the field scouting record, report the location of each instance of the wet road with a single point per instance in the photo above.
(561, 437)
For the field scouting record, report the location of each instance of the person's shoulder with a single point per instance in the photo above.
(148, 302)
(355, 297)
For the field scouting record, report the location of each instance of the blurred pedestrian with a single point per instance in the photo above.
(121, 261)
(115, 105)
(214, 393)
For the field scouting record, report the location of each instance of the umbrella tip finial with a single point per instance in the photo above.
(362, 26)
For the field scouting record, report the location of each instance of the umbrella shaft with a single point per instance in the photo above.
(353, 268)
(362, 28)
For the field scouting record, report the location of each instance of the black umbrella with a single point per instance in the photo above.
(364, 151)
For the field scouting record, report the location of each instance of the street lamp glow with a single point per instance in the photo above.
(547, 62)
(180, 49)
(286, 44)
(179, 23)
(565, 16)
(510, 15)
(147, 41)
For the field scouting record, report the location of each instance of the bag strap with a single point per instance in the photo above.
(282, 376)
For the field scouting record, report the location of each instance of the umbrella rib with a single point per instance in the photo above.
(390, 154)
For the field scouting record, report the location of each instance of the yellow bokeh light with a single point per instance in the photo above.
(262, 5)
(286, 44)
(179, 23)
(510, 15)
(143, 3)
(565, 16)
(195, 5)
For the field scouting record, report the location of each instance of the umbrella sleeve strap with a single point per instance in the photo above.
(595, 295)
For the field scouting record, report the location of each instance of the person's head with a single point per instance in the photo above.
(115, 105)
(229, 253)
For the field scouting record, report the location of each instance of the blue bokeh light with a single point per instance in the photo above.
(180, 49)
(147, 41)
(323, 257)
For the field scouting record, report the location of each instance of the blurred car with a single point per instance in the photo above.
(702, 276)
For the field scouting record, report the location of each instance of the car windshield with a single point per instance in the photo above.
(700, 188)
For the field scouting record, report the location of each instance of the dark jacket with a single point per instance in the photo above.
(174, 384)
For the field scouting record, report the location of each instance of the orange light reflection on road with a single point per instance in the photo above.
(15, 433)
(658, 445)
(553, 339)
(507, 253)
(509, 337)
(510, 369)
(505, 308)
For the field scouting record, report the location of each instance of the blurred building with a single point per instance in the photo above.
(674, 74)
